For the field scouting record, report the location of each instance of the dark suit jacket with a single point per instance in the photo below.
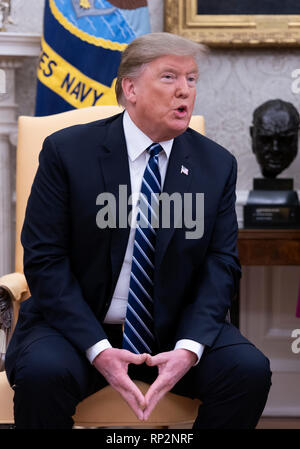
(72, 266)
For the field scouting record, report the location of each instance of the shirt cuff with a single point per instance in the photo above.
(191, 345)
(95, 350)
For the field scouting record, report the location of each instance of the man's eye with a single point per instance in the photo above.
(285, 139)
(265, 140)
(168, 76)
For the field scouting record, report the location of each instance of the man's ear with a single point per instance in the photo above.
(128, 86)
(251, 130)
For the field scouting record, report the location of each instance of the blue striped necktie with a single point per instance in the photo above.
(138, 333)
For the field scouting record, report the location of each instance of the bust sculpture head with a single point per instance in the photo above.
(275, 136)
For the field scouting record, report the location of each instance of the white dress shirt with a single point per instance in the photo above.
(138, 157)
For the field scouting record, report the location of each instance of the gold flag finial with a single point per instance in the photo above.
(85, 4)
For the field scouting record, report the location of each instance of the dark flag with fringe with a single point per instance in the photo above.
(81, 50)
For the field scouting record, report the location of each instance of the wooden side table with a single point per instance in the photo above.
(269, 246)
(266, 247)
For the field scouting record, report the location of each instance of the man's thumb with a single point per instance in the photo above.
(149, 360)
(138, 359)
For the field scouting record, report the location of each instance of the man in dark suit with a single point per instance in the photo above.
(86, 278)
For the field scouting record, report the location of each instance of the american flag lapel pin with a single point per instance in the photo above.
(184, 170)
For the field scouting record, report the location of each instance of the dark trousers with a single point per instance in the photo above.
(51, 377)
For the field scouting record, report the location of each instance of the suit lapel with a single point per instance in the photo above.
(115, 168)
(175, 181)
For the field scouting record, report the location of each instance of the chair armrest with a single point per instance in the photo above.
(13, 290)
(15, 285)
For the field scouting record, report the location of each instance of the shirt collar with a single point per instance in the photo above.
(137, 141)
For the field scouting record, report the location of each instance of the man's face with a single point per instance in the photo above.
(275, 141)
(161, 99)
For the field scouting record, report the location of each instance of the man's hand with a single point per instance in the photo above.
(172, 366)
(113, 364)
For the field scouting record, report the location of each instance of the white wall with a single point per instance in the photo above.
(232, 84)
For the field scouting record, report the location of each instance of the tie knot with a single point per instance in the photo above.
(154, 149)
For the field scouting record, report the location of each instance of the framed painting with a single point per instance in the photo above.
(235, 22)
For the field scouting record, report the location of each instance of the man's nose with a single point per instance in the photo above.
(275, 146)
(182, 89)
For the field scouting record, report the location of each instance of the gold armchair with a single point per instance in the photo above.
(106, 407)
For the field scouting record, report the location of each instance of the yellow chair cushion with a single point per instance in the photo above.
(106, 408)
(109, 408)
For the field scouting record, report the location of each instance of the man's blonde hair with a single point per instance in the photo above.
(151, 46)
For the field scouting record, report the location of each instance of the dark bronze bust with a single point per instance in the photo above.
(275, 136)
(273, 202)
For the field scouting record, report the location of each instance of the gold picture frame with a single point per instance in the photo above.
(181, 18)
